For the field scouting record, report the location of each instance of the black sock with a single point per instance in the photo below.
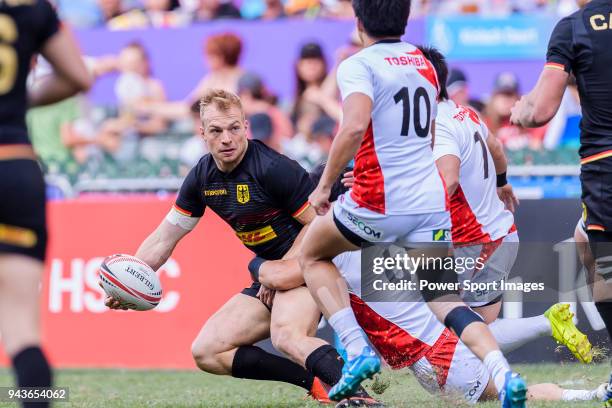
(32, 370)
(256, 364)
(326, 364)
(605, 310)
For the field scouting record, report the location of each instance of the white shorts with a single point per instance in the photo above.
(361, 225)
(498, 257)
(463, 376)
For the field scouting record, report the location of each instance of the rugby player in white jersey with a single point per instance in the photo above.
(389, 93)
(473, 164)
(407, 334)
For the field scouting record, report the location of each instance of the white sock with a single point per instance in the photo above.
(348, 330)
(513, 333)
(579, 395)
(497, 366)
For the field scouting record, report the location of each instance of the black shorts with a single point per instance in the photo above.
(23, 223)
(596, 181)
(252, 292)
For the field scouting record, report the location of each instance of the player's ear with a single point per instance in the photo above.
(202, 131)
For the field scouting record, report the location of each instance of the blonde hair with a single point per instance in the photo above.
(221, 99)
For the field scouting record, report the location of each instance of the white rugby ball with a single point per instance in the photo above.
(131, 281)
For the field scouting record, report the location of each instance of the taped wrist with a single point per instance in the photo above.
(254, 266)
(502, 179)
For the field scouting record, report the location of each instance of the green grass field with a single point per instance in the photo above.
(178, 389)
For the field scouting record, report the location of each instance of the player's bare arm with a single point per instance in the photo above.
(449, 167)
(542, 103)
(357, 110)
(157, 248)
(504, 189)
(69, 77)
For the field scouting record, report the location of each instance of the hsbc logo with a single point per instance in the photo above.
(73, 286)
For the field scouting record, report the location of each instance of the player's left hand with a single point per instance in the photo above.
(319, 200)
(266, 295)
(348, 179)
(506, 194)
(515, 112)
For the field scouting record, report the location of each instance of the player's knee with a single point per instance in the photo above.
(283, 338)
(204, 355)
(306, 262)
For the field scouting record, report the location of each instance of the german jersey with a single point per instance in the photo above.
(394, 169)
(580, 43)
(477, 213)
(25, 26)
(258, 199)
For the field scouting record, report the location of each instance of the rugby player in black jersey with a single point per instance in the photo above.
(580, 44)
(27, 27)
(263, 196)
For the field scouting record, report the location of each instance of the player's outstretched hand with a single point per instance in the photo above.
(348, 179)
(506, 194)
(266, 295)
(319, 200)
(113, 303)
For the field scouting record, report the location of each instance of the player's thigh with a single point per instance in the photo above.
(323, 240)
(20, 278)
(242, 320)
(295, 310)
(490, 312)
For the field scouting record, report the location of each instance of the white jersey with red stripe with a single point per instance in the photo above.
(395, 173)
(407, 334)
(410, 323)
(477, 213)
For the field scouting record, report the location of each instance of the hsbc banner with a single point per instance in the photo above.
(207, 268)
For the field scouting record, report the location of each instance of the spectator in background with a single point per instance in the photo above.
(262, 9)
(342, 9)
(222, 53)
(266, 121)
(459, 90)
(215, 9)
(497, 116)
(330, 84)
(110, 9)
(194, 147)
(307, 7)
(135, 88)
(310, 146)
(274, 10)
(457, 86)
(310, 72)
(156, 13)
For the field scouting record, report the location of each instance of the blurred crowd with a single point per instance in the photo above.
(130, 14)
(72, 137)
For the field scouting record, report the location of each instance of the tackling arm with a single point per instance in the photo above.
(285, 274)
